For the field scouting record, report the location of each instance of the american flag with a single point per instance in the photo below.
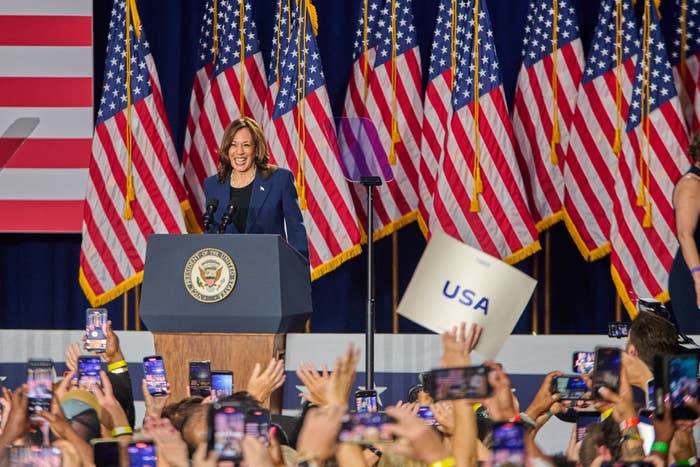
(479, 195)
(591, 159)
(46, 113)
(304, 142)
(394, 104)
(687, 37)
(282, 29)
(437, 108)
(544, 103)
(235, 88)
(114, 246)
(653, 158)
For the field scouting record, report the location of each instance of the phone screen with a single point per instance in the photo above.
(226, 431)
(257, 424)
(106, 453)
(427, 416)
(35, 455)
(39, 385)
(366, 428)
(221, 383)
(683, 378)
(88, 372)
(154, 373)
(651, 395)
(458, 383)
(571, 388)
(583, 420)
(508, 444)
(95, 320)
(142, 454)
(607, 369)
(366, 401)
(618, 329)
(200, 378)
(583, 362)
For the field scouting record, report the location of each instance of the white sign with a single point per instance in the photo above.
(455, 282)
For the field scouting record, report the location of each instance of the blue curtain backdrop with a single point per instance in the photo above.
(38, 273)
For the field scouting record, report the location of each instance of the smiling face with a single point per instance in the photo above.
(241, 152)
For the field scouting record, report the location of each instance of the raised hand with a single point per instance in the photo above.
(315, 382)
(343, 376)
(113, 414)
(73, 351)
(318, 436)
(457, 345)
(169, 443)
(262, 383)
(154, 405)
(417, 440)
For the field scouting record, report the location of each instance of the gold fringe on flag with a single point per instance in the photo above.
(313, 16)
(395, 137)
(643, 197)
(619, 27)
(555, 84)
(478, 186)
(301, 95)
(132, 16)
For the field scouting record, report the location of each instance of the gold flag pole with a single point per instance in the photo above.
(137, 307)
(536, 294)
(125, 310)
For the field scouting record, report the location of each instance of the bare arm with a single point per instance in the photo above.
(687, 205)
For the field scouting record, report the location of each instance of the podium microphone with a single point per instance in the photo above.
(208, 218)
(227, 218)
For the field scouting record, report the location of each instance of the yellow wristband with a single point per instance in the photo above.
(122, 431)
(447, 462)
(116, 365)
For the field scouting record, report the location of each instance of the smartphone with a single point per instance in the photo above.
(571, 388)
(95, 320)
(366, 401)
(583, 421)
(607, 369)
(508, 444)
(366, 428)
(257, 425)
(618, 329)
(142, 454)
(154, 374)
(89, 372)
(676, 375)
(583, 362)
(39, 385)
(35, 455)
(226, 430)
(651, 395)
(458, 383)
(425, 414)
(106, 452)
(200, 378)
(221, 383)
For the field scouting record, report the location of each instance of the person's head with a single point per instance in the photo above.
(179, 411)
(82, 410)
(243, 148)
(694, 147)
(195, 428)
(600, 444)
(649, 335)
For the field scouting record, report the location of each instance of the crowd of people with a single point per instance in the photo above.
(491, 430)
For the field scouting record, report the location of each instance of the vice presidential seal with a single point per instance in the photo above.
(210, 275)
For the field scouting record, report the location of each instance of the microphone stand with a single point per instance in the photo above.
(369, 183)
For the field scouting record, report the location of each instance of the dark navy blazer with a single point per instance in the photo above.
(273, 203)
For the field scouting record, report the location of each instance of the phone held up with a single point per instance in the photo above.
(618, 329)
(677, 376)
(200, 378)
(366, 401)
(142, 454)
(106, 452)
(607, 369)
(583, 362)
(154, 374)
(508, 444)
(95, 338)
(366, 428)
(571, 388)
(469, 382)
(221, 383)
(89, 372)
(39, 385)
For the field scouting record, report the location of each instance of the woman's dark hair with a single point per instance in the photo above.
(262, 159)
(694, 147)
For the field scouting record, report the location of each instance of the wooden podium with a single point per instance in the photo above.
(271, 296)
(230, 352)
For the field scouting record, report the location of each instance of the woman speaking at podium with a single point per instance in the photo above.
(248, 194)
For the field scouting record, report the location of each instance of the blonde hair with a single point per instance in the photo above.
(262, 158)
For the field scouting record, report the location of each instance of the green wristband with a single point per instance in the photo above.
(660, 446)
